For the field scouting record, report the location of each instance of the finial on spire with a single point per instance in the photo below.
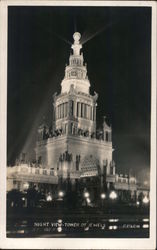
(76, 46)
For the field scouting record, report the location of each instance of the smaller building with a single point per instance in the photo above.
(24, 176)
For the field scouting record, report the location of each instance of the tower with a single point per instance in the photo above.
(74, 149)
(75, 108)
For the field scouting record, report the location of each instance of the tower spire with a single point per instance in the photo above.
(76, 71)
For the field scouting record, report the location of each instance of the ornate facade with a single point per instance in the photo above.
(73, 147)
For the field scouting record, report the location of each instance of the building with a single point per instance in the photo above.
(71, 152)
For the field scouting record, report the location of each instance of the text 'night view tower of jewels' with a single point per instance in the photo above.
(73, 148)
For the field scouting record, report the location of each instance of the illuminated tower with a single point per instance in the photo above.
(73, 148)
(75, 108)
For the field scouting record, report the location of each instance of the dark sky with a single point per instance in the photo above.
(117, 49)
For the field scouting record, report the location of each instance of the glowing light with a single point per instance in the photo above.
(20, 231)
(113, 195)
(96, 33)
(114, 227)
(145, 219)
(86, 194)
(113, 220)
(49, 198)
(88, 200)
(23, 198)
(145, 226)
(103, 196)
(61, 194)
(62, 38)
(59, 229)
(86, 228)
(26, 185)
(137, 203)
(65, 167)
(145, 200)
(59, 221)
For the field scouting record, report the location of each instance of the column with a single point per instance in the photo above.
(62, 110)
(114, 170)
(59, 111)
(85, 113)
(91, 112)
(77, 111)
(65, 109)
(83, 110)
(88, 112)
(79, 106)
(88, 115)
(94, 113)
(69, 108)
(56, 113)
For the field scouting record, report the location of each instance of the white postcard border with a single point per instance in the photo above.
(51, 243)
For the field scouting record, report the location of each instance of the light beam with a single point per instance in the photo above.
(84, 40)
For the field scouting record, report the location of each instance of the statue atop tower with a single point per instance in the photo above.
(76, 45)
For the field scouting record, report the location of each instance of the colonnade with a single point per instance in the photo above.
(78, 109)
(86, 111)
(62, 110)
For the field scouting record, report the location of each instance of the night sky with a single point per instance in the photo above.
(117, 49)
